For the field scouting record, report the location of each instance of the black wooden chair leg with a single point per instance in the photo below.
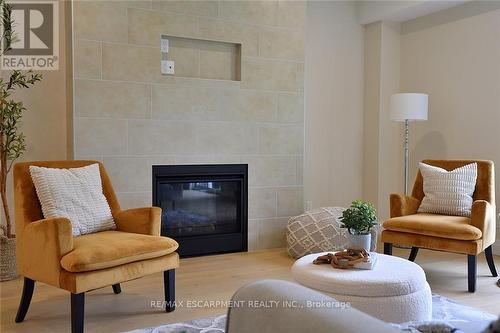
(77, 312)
(489, 258)
(117, 289)
(413, 253)
(169, 287)
(388, 248)
(472, 269)
(24, 304)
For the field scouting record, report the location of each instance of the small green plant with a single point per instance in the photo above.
(359, 218)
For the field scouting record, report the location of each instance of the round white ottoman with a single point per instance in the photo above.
(395, 290)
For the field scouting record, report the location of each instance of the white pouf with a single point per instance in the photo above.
(395, 291)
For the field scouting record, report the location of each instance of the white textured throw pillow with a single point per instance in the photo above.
(75, 194)
(448, 192)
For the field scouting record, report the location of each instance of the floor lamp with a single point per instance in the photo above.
(408, 107)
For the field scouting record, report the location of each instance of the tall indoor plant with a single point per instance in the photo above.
(359, 218)
(12, 143)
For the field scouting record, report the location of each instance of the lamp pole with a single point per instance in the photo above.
(407, 132)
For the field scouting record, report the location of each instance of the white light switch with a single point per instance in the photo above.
(164, 45)
(168, 67)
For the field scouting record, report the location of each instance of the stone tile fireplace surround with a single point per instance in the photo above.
(130, 117)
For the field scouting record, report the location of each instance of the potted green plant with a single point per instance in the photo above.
(358, 219)
(12, 144)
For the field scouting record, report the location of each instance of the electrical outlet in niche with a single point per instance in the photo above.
(168, 67)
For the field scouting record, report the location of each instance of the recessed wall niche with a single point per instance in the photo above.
(206, 59)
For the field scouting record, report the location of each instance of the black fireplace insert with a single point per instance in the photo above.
(204, 207)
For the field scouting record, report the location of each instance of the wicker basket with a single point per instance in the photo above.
(7, 258)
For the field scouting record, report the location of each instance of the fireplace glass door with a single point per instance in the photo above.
(201, 207)
(204, 207)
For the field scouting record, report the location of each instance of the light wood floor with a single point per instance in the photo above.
(213, 278)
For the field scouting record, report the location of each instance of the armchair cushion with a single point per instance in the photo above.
(451, 227)
(113, 248)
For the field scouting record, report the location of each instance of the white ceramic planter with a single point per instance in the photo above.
(360, 242)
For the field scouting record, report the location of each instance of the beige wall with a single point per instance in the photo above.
(456, 60)
(371, 110)
(45, 123)
(130, 116)
(391, 135)
(382, 148)
(334, 104)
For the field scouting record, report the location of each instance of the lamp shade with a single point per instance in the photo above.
(409, 106)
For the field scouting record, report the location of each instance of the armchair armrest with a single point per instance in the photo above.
(402, 205)
(145, 220)
(483, 218)
(40, 247)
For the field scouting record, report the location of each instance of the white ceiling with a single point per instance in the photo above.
(400, 11)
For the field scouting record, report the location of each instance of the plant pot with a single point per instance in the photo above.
(7, 258)
(360, 242)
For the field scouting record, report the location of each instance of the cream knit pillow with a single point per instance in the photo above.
(75, 194)
(448, 192)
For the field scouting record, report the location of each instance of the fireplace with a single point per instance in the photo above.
(204, 207)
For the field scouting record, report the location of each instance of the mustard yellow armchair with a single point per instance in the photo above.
(47, 252)
(457, 234)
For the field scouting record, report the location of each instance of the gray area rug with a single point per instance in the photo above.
(204, 325)
(444, 310)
